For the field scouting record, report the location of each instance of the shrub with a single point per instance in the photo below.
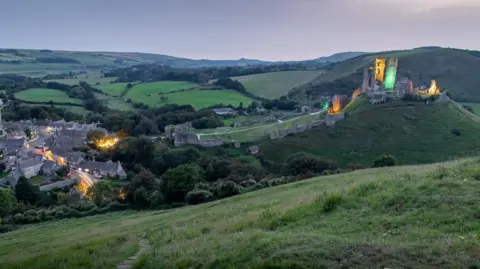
(302, 163)
(202, 186)
(355, 166)
(456, 132)
(248, 183)
(330, 201)
(178, 181)
(224, 189)
(384, 161)
(276, 182)
(156, 198)
(262, 184)
(198, 196)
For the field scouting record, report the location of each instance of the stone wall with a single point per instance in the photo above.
(334, 118)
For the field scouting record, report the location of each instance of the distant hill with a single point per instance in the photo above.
(413, 132)
(42, 62)
(339, 57)
(454, 69)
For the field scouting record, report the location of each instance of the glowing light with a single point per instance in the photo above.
(433, 88)
(326, 105)
(380, 69)
(356, 93)
(107, 142)
(336, 105)
(391, 75)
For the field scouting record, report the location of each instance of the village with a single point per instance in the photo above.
(47, 153)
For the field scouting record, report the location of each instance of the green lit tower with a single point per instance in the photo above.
(391, 74)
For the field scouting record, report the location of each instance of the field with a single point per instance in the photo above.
(113, 89)
(159, 87)
(91, 78)
(256, 132)
(403, 217)
(412, 132)
(115, 102)
(273, 85)
(197, 98)
(474, 106)
(45, 95)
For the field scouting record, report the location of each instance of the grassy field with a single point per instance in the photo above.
(45, 95)
(412, 132)
(198, 98)
(256, 132)
(403, 217)
(273, 85)
(115, 102)
(91, 78)
(155, 88)
(113, 89)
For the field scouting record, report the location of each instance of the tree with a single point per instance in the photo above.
(224, 189)
(304, 163)
(29, 133)
(384, 161)
(7, 201)
(198, 196)
(178, 181)
(95, 136)
(25, 191)
(101, 193)
(63, 171)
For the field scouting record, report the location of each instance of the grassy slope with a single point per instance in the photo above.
(475, 106)
(114, 89)
(414, 134)
(159, 87)
(403, 217)
(276, 84)
(453, 69)
(45, 95)
(90, 78)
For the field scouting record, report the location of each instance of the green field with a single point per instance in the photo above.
(45, 95)
(412, 132)
(91, 78)
(273, 85)
(403, 217)
(113, 89)
(154, 88)
(114, 102)
(197, 98)
(256, 132)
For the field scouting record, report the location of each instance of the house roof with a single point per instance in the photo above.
(107, 167)
(49, 165)
(30, 162)
(224, 110)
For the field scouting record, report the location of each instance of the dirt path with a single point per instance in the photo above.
(143, 247)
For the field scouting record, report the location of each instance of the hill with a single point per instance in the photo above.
(453, 69)
(339, 57)
(414, 133)
(37, 63)
(275, 84)
(402, 217)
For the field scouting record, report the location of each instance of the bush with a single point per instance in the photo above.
(202, 186)
(264, 183)
(303, 163)
(224, 189)
(248, 183)
(384, 161)
(456, 132)
(156, 198)
(198, 196)
(276, 182)
(355, 166)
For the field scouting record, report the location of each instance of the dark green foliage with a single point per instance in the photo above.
(248, 183)
(178, 181)
(198, 196)
(156, 198)
(385, 160)
(63, 171)
(330, 201)
(140, 197)
(469, 108)
(304, 163)
(102, 193)
(223, 189)
(456, 132)
(25, 191)
(7, 201)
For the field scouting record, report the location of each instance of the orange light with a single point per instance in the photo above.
(433, 88)
(108, 142)
(356, 93)
(336, 105)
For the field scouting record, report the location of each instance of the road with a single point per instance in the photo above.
(86, 180)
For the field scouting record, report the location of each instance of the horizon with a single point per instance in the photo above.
(268, 30)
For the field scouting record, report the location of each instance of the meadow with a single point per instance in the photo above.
(275, 84)
(197, 98)
(474, 106)
(159, 87)
(113, 89)
(94, 79)
(423, 216)
(45, 95)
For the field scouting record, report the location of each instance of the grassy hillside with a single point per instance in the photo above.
(159, 87)
(403, 217)
(413, 132)
(453, 69)
(113, 89)
(45, 95)
(91, 78)
(276, 84)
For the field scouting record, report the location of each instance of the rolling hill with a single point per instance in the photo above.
(414, 133)
(402, 217)
(454, 69)
(275, 84)
(37, 63)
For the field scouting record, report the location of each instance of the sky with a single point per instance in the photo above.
(232, 29)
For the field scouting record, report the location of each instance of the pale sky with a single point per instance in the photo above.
(231, 29)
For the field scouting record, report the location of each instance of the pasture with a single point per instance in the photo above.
(197, 98)
(45, 95)
(113, 89)
(94, 79)
(159, 87)
(400, 217)
(275, 84)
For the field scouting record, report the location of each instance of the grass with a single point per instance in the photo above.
(90, 78)
(275, 84)
(256, 132)
(153, 88)
(45, 95)
(413, 132)
(117, 103)
(422, 216)
(197, 98)
(474, 106)
(4, 174)
(113, 89)
(36, 180)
